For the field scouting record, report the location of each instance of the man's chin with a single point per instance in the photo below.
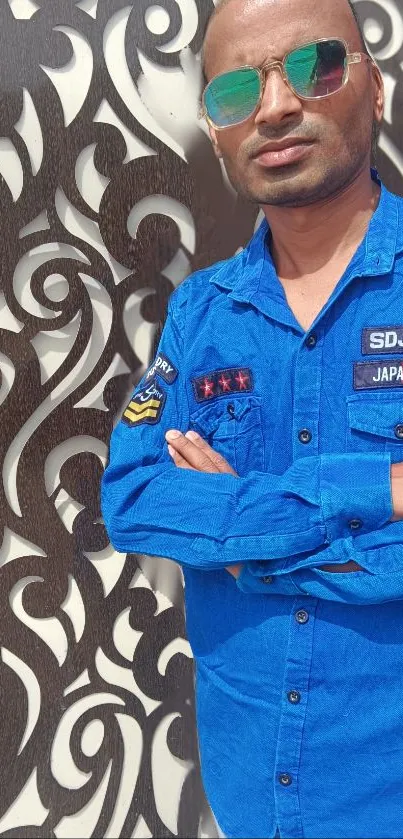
(281, 187)
(289, 191)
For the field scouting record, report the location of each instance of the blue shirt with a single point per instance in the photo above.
(299, 696)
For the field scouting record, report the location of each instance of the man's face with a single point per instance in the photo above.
(336, 131)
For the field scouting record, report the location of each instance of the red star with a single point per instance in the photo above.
(208, 388)
(242, 379)
(225, 384)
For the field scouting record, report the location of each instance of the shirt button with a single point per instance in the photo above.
(294, 697)
(355, 524)
(311, 341)
(285, 779)
(399, 431)
(301, 616)
(305, 436)
(267, 580)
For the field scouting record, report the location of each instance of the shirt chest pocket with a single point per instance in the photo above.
(376, 424)
(233, 427)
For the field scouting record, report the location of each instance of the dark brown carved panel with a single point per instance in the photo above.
(110, 194)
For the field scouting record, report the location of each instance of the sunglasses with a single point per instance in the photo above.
(312, 71)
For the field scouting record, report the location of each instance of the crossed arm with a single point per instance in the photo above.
(284, 525)
(190, 451)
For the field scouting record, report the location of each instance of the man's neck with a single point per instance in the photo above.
(305, 240)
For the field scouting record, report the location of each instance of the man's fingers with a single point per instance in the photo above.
(179, 460)
(192, 454)
(216, 458)
(197, 453)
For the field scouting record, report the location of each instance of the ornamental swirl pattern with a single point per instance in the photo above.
(110, 196)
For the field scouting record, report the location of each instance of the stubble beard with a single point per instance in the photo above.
(291, 188)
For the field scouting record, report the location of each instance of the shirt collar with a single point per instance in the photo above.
(384, 238)
(243, 275)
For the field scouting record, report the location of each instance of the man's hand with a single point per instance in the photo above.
(397, 490)
(190, 451)
(341, 569)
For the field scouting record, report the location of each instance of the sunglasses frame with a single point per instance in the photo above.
(351, 58)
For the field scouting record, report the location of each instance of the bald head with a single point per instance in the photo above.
(222, 4)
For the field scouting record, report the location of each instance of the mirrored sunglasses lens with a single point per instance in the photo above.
(317, 69)
(232, 97)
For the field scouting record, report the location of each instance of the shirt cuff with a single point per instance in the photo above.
(355, 493)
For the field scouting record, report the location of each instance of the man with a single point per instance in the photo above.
(277, 385)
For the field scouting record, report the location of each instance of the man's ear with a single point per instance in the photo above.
(379, 93)
(213, 138)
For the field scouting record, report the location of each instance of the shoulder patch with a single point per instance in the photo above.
(163, 367)
(222, 382)
(146, 406)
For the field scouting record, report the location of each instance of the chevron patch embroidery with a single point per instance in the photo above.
(146, 406)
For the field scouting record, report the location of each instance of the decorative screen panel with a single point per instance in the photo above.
(110, 195)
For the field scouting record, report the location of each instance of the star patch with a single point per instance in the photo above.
(146, 406)
(163, 367)
(373, 375)
(221, 382)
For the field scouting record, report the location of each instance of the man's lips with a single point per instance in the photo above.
(280, 154)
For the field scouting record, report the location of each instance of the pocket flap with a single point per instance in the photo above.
(376, 416)
(223, 411)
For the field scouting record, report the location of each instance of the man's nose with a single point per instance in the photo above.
(278, 100)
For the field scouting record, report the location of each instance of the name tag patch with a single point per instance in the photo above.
(146, 406)
(373, 375)
(222, 382)
(163, 367)
(382, 340)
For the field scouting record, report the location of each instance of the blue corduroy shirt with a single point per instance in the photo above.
(299, 671)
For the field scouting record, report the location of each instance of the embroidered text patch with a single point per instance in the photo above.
(372, 375)
(146, 406)
(382, 339)
(222, 382)
(163, 367)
